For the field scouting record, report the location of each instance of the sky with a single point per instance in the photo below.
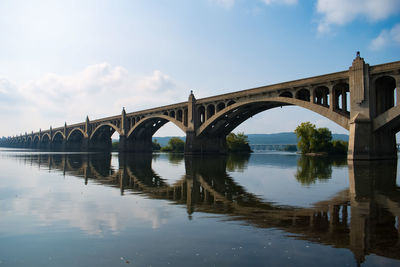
(64, 60)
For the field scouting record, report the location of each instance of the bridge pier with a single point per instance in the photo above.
(368, 99)
(365, 144)
(205, 145)
(100, 145)
(58, 146)
(77, 145)
(142, 144)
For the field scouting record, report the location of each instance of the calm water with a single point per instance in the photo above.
(263, 210)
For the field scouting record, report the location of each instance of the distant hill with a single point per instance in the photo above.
(277, 138)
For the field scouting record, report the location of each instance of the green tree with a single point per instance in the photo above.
(322, 140)
(312, 139)
(305, 133)
(156, 146)
(175, 144)
(339, 147)
(237, 143)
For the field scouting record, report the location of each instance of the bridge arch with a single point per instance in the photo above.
(153, 123)
(101, 137)
(35, 141)
(58, 135)
(58, 140)
(45, 141)
(101, 126)
(224, 121)
(28, 141)
(74, 132)
(45, 138)
(75, 140)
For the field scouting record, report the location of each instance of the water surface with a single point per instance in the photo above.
(64, 209)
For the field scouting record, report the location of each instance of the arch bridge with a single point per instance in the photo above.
(363, 99)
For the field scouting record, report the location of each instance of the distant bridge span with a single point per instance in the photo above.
(362, 100)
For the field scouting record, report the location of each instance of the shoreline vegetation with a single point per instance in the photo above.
(313, 141)
(236, 143)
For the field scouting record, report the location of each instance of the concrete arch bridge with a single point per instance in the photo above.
(363, 99)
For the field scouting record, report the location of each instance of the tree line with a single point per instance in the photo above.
(236, 143)
(313, 140)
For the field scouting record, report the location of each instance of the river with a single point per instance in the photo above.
(265, 209)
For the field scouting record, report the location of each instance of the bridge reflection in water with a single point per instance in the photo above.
(364, 218)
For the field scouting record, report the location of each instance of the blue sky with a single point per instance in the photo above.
(63, 60)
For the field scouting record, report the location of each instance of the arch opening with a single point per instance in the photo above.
(286, 94)
(230, 103)
(179, 115)
(201, 115)
(139, 139)
(210, 111)
(220, 106)
(321, 96)
(101, 138)
(75, 141)
(58, 141)
(35, 142)
(303, 94)
(45, 141)
(341, 97)
(385, 88)
(28, 142)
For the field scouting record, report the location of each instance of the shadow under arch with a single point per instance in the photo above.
(75, 140)
(100, 138)
(58, 141)
(139, 138)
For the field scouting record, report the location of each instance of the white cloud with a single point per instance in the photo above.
(386, 37)
(98, 90)
(341, 12)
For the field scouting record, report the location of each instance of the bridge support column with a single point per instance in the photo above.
(122, 143)
(103, 145)
(204, 145)
(58, 146)
(364, 142)
(85, 144)
(142, 143)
